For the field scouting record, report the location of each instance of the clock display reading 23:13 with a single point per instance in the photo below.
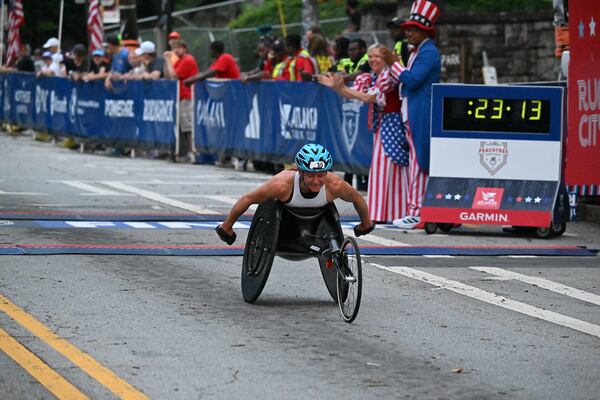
(496, 115)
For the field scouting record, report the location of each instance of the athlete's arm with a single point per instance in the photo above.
(277, 187)
(341, 189)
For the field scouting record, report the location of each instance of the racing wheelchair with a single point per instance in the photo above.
(297, 234)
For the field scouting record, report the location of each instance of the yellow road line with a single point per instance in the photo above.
(90, 366)
(45, 375)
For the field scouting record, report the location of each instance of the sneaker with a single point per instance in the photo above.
(408, 222)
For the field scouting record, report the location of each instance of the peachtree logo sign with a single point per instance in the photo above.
(493, 156)
(298, 122)
(350, 122)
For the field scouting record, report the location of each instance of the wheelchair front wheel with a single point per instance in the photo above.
(349, 281)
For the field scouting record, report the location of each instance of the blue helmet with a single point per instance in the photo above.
(313, 157)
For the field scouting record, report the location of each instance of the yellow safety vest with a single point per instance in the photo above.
(292, 67)
(344, 65)
(398, 50)
(364, 59)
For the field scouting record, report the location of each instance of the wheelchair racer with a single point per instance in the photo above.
(309, 185)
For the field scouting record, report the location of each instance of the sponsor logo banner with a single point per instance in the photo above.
(486, 217)
(488, 198)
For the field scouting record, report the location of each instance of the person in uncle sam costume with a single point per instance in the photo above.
(386, 192)
(415, 80)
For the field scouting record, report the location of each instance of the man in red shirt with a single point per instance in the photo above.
(184, 68)
(224, 66)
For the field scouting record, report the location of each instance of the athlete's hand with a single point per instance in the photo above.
(226, 235)
(360, 230)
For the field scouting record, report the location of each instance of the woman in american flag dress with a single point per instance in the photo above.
(388, 175)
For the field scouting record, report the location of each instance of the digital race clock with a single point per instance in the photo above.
(496, 114)
(525, 112)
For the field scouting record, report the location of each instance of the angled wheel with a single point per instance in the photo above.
(259, 252)
(543, 232)
(330, 224)
(349, 282)
(446, 227)
(430, 227)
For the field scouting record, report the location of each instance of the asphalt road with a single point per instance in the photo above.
(106, 326)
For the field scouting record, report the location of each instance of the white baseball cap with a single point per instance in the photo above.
(146, 47)
(52, 42)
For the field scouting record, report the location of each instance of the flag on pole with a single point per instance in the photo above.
(95, 27)
(15, 20)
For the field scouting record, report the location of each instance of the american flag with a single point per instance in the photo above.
(15, 20)
(95, 25)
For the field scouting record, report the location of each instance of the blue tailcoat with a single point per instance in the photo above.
(416, 89)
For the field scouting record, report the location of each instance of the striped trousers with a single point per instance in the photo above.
(416, 179)
(388, 185)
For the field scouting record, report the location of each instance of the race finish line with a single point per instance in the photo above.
(190, 250)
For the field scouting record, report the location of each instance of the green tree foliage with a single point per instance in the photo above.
(496, 5)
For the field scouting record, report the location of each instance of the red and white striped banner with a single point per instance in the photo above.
(95, 27)
(16, 18)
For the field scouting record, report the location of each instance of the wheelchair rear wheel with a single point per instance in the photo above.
(349, 282)
(259, 252)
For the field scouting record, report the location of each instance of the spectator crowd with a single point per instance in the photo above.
(396, 83)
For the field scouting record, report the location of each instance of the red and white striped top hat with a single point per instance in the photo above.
(423, 14)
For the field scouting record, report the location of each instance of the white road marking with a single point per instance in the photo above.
(543, 283)
(227, 199)
(140, 225)
(159, 198)
(521, 256)
(92, 190)
(3, 193)
(492, 298)
(375, 239)
(437, 256)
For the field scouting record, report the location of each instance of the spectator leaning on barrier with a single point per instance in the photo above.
(172, 38)
(118, 60)
(300, 65)
(264, 67)
(357, 50)
(185, 67)
(155, 65)
(52, 45)
(342, 62)
(98, 67)
(37, 60)
(224, 66)
(318, 49)
(280, 61)
(24, 61)
(422, 71)
(47, 60)
(80, 65)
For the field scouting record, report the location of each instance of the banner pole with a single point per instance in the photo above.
(60, 22)
(2, 35)
(281, 18)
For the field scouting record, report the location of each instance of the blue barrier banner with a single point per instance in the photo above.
(21, 98)
(86, 107)
(134, 113)
(270, 121)
(3, 90)
(157, 120)
(120, 108)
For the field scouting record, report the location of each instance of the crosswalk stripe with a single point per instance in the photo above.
(492, 298)
(91, 189)
(159, 198)
(543, 283)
